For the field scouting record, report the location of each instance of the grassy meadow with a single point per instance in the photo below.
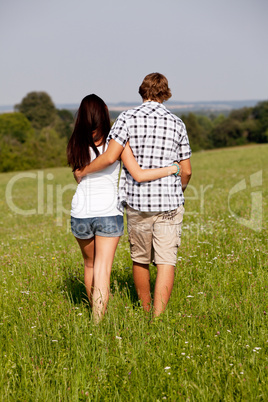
(210, 344)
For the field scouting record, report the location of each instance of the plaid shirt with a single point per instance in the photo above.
(157, 138)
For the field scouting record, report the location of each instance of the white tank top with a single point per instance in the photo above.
(96, 194)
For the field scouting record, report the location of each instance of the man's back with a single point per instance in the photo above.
(157, 138)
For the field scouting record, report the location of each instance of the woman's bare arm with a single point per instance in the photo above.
(139, 174)
(113, 153)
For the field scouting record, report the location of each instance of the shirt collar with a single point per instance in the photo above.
(153, 103)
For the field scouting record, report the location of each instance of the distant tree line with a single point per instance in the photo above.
(35, 136)
(240, 127)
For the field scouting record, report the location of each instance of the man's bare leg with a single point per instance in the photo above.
(141, 275)
(163, 287)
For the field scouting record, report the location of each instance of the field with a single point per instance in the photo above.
(210, 344)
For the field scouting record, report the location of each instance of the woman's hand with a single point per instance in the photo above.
(175, 167)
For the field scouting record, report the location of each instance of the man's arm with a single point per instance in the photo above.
(104, 160)
(186, 173)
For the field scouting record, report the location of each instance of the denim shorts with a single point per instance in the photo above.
(105, 226)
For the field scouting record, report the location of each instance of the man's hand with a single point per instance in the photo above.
(186, 173)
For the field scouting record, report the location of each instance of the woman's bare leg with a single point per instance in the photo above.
(104, 255)
(87, 248)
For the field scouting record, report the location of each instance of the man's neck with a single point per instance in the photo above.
(151, 100)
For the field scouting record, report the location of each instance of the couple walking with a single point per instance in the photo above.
(151, 142)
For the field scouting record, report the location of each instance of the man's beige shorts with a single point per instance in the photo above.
(154, 236)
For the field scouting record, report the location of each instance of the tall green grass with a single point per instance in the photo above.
(209, 345)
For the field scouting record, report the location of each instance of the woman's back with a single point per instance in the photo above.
(96, 194)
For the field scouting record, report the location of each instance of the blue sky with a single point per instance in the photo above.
(209, 49)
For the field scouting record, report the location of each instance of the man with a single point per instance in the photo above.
(154, 209)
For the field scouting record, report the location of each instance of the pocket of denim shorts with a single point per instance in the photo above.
(111, 225)
(81, 228)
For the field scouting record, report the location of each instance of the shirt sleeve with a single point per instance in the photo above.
(184, 149)
(119, 131)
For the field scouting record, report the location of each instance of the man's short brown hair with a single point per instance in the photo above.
(155, 87)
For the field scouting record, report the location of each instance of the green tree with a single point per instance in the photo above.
(227, 133)
(260, 115)
(15, 155)
(49, 148)
(38, 108)
(64, 123)
(15, 125)
(207, 126)
(241, 114)
(22, 147)
(197, 133)
(218, 119)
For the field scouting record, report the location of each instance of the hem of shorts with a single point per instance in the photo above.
(98, 234)
(166, 263)
(156, 263)
(109, 234)
(83, 238)
(141, 262)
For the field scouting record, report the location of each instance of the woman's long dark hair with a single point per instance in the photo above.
(92, 126)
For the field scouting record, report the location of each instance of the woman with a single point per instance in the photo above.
(96, 222)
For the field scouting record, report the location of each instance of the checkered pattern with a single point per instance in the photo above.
(157, 138)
